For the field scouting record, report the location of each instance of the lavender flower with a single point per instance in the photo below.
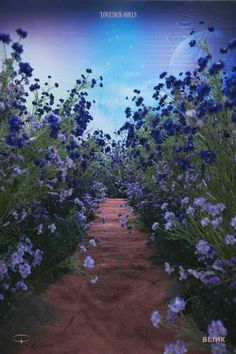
(214, 280)
(89, 262)
(204, 250)
(92, 243)
(182, 273)
(156, 319)
(82, 249)
(94, 280)
(52, 228)
(216, 223)
(24, 270)
(218, 348)
(175, 348)
(229, 239)
(205, 222)
(190, 211)
(216, 329)
(20, 285)
(233, 222)
(177, 305)
(155, 226)
(168, 268)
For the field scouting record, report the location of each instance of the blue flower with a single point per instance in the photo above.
(230, 87)
(26, 69)
(203, 90)
(208, 156)
(5, 38)
(229, 240)
(218, 348)
(175, 348)
(20, 285)
(15, 124)
(192, 43)
(177, 305)
(184, 164)
(216, 329)
(214, 280)
(21, 33)
(17, 47)
(211, 29)
(156, 318)
(25, 270)
(233, 222)
(89, 262)
(94, 280)
(232, 44)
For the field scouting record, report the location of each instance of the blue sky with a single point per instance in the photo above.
(67, 37)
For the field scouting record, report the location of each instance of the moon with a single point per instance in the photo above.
(185, 57)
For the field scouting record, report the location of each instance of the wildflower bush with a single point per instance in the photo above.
(180, 159)
(48, 195)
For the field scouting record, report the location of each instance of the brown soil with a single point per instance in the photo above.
(113, 315)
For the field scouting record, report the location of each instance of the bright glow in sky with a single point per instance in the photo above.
(128, 53)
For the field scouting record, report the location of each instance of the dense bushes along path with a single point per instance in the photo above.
(113, 315)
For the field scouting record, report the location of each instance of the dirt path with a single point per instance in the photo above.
(113, 315)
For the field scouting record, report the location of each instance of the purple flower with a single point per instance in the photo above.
(177, 305)
(169, 226)
(211, 29)
(24, 270)
(229, 239)
(16, 258)
(94, 280)
(200, 202)
(175, 348)
(215, 210)
(204, 250)
(190, 211)
(216, 329)
(216, 223)
(232, 44)
(89, 262)
(39, 229)
(3, 268)
(83, 249)
(182, 273)
(5, 38)
(192, 43)
(232, 284)
(21, 33)
(156, 318)
(17, 47)
(26, 69)
(92, 243)
(38, 256)
(2, 106)
(218, 348)
(81, 217)
(168, 268)
(1, 297)
(155, 226)
(205, 222)
(20, 285)
(52, 228)
(214, 280)
(233, 222)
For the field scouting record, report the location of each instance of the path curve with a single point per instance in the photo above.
(113, 315)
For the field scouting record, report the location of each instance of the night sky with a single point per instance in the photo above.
(66, 37)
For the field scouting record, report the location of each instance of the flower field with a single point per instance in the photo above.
(175, 162)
